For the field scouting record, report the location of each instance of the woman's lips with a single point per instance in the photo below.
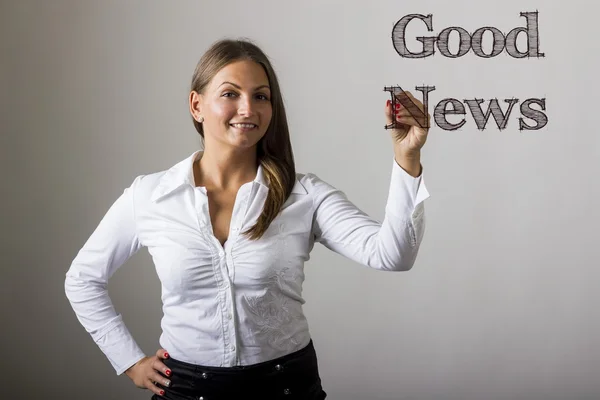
(243, 127)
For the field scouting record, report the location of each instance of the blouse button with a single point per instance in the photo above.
(287, 391)
(278, 367)
(204, 375)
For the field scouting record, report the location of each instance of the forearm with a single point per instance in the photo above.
(95, 312)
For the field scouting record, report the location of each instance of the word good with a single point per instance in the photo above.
(468, 41)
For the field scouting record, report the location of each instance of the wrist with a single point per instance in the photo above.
(129, 371)
(401, 152)
(409, 162)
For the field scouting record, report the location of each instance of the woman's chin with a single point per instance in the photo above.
(245, 139)
(242, 143)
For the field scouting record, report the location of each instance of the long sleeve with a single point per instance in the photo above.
(112, 243)
(390, 245)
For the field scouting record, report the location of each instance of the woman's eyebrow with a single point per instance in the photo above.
(239, 87)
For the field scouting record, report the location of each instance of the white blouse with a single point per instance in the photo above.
(241, 303)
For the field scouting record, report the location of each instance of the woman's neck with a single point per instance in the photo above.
(225, 170)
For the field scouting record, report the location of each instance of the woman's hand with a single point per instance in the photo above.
(146, 372)
(409, 137)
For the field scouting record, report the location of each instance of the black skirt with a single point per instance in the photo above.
(294, 376)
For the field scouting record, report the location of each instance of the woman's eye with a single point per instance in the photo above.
(259, 96)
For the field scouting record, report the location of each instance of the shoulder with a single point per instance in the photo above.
(145, 186)
(313, 184)
(155, 186)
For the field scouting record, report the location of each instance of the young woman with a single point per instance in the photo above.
(229, 229)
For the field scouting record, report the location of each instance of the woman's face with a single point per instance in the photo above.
(236, 105)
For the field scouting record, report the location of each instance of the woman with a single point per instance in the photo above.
(229, 229)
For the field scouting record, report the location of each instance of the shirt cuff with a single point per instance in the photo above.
(120, 348)
(406, 193)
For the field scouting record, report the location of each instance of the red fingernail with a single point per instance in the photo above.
(162, 392)
(166, 355)
(398, 106)
(168, 372)
(388, 103)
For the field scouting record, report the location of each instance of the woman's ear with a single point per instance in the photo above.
(195, 103)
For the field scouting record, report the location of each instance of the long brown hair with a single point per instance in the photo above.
(274, 149)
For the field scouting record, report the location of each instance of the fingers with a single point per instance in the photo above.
(397, 114)
(162, 353)
(157, 379)
(390, 115)
(415, 117)
(415, 101)
(388, 112)
(404, 117)
(155, 382)
(151, 385)
(415, 107)
(159, 366)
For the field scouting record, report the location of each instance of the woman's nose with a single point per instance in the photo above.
(246, 107)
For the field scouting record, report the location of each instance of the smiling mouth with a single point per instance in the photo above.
(244, 126)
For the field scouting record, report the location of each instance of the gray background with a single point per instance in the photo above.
(502, 301)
